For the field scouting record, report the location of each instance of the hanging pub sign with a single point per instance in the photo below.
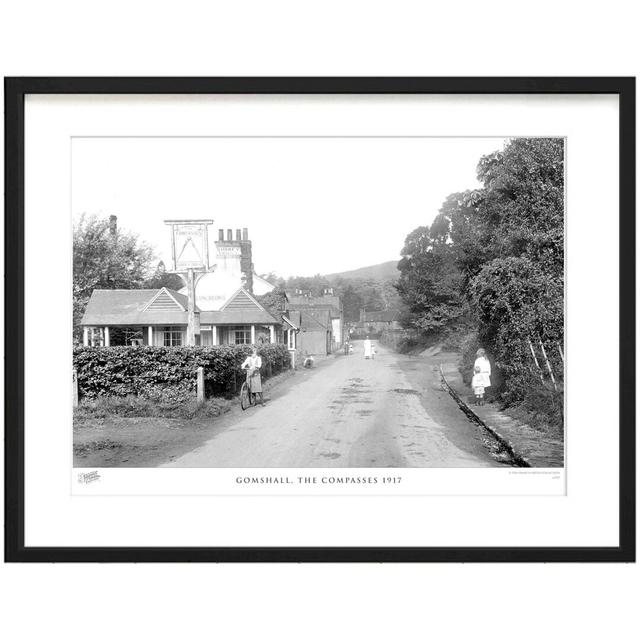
(189, 244)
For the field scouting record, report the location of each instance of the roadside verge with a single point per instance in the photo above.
(529, 447)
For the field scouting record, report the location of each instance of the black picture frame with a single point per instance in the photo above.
(15, 91)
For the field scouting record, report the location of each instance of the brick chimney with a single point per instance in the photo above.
(246, 259)
(234, 256)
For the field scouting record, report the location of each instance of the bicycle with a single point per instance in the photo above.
(247, 397)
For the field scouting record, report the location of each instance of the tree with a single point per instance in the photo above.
(352, 302)
(161, 278)
(274, 302)
(103, 259)
(429, 282)
(518, 301)
(495, 255)
(517, 293)
(524, 199)
(315, 285)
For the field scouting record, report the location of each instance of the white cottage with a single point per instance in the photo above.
(226, 309)
(158, 317)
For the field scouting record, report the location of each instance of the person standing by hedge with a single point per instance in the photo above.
(252, 364)
(483, 367)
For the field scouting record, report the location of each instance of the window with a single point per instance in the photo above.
(291, 335)
(172, 337)
(206, 336)
(240, 334)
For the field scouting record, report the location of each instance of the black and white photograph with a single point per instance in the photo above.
(318, 301)
(303, 319)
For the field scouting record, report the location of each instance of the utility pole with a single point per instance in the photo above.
(191, 309)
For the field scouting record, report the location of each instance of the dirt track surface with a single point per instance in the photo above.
(349, 412)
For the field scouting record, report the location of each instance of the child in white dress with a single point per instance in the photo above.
(477, 384)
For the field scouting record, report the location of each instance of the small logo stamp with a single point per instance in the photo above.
(90, 476)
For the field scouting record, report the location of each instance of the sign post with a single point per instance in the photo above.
(190, 260)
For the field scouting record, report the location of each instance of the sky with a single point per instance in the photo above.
(312, 205)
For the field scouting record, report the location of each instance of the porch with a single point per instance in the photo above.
(176, 335)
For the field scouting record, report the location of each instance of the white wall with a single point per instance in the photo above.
(215, 288)
(261, 286)
(336, 325)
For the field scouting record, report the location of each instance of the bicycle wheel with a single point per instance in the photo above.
(252, 398)
(245, 396)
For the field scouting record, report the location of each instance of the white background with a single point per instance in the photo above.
(586, 516)
(332, 38)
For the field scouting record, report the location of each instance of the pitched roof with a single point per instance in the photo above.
(125, 306)
(335, 313)
(315, 319)
(288, 321)
(241, 299)
(316, 301)
(294, 316)
(167, 300)
(163, 306)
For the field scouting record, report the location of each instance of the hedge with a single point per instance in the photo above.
(162, 372)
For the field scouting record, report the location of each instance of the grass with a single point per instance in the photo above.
(138, 407)
(547, 418)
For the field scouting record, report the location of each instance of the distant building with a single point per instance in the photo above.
(299, 300)
(375, 322)
(315, 333)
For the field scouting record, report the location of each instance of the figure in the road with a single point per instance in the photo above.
(482, 362)
(367, 348)
(252, 364)
(477, 384)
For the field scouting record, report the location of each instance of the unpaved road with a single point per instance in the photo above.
(350, 412)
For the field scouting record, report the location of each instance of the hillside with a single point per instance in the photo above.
(381, 272)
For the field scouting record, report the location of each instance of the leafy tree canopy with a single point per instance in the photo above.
(495, 255)
(106, 260)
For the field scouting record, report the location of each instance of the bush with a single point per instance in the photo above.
(544, 406)
(167, 373)
(468, 348)
(519, 302)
